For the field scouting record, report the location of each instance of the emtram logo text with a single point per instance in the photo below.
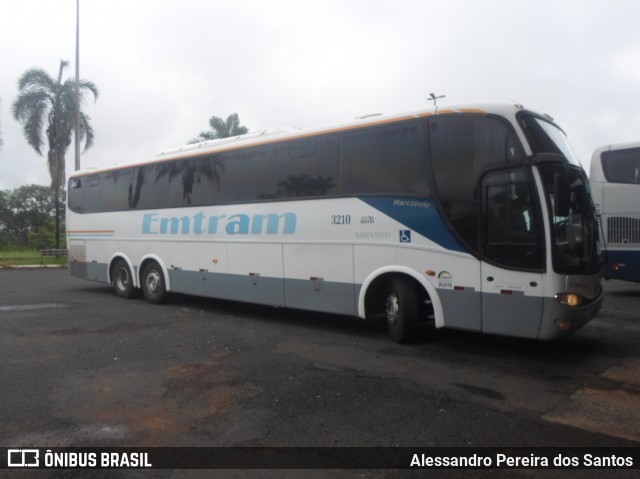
(203, 224)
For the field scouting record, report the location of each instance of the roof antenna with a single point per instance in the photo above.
(434, 98)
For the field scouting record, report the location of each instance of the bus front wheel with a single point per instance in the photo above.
(153, 284)
(402, 310)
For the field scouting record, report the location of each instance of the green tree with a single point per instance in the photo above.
(27, 216)
(222, 129)
(4, 216)
(46, 107)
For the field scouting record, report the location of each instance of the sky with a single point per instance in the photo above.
(164, 67)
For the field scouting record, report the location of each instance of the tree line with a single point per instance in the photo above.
(46, 108)
(27, 217)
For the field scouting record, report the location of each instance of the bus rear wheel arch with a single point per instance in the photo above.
(153, 282)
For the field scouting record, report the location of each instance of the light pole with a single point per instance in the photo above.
(77, 132)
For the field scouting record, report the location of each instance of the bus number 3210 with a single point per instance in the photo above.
(340, 219)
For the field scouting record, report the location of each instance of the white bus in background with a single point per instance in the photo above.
(474, 217)
(615, 185)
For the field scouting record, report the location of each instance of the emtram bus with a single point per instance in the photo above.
(474, 217)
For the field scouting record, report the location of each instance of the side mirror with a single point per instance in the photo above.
(561, 194)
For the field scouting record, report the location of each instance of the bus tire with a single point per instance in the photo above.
(153, 283)
(122, 280)
(402, 310)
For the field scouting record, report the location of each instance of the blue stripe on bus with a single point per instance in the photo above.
(419, 215)
(628, 265)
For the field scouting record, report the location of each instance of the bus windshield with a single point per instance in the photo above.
(574, 232)
(545, 137)
(576, 247)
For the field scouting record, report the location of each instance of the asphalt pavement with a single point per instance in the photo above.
(82, 367)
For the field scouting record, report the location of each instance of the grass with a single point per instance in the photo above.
(18, 257)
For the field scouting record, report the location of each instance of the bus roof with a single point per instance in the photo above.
(275, 135)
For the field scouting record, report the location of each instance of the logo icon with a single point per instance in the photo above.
(23, 458)
(445, 280)
(405, 236)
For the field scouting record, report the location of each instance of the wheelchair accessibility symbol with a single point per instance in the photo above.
(405, 236)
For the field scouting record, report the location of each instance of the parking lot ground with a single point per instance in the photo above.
(82, 367)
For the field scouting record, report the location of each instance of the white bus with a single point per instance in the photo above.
(471, 217)
(615, 185)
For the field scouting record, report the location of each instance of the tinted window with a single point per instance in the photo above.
(546, 137)
(192, 182)
(462, 148)
(244, 176)
(76, 194)
(305, 168)
(84, 194)
(574, 229)
(116, 190)
(378, 160)
(511, 222)
(389, 159)
(622, 166)
(150, 187)
(93, 198)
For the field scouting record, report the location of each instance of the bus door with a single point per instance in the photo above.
(511, 254)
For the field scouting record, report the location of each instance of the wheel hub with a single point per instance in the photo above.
(123, 279)
(392, 310)
(153, 282)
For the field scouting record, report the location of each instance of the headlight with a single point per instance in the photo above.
(570, 299)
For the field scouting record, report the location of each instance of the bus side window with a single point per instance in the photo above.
(461, 149)
(244, 176)
(150, 188)
(305, 168)
(76, 194)
(384, 160)
(116, 190)
(622, 166)
(93, 197)
(192, 181)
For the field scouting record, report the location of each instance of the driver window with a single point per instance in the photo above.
(511, 233)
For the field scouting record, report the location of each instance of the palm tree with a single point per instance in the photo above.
(46, 106)
(222, 129)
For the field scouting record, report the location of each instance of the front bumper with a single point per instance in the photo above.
(560, 320)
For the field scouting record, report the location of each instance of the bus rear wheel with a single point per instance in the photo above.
(122, 281)
(402, 310)
(153, 283)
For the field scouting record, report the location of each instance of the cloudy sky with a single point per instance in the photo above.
(164, 67)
